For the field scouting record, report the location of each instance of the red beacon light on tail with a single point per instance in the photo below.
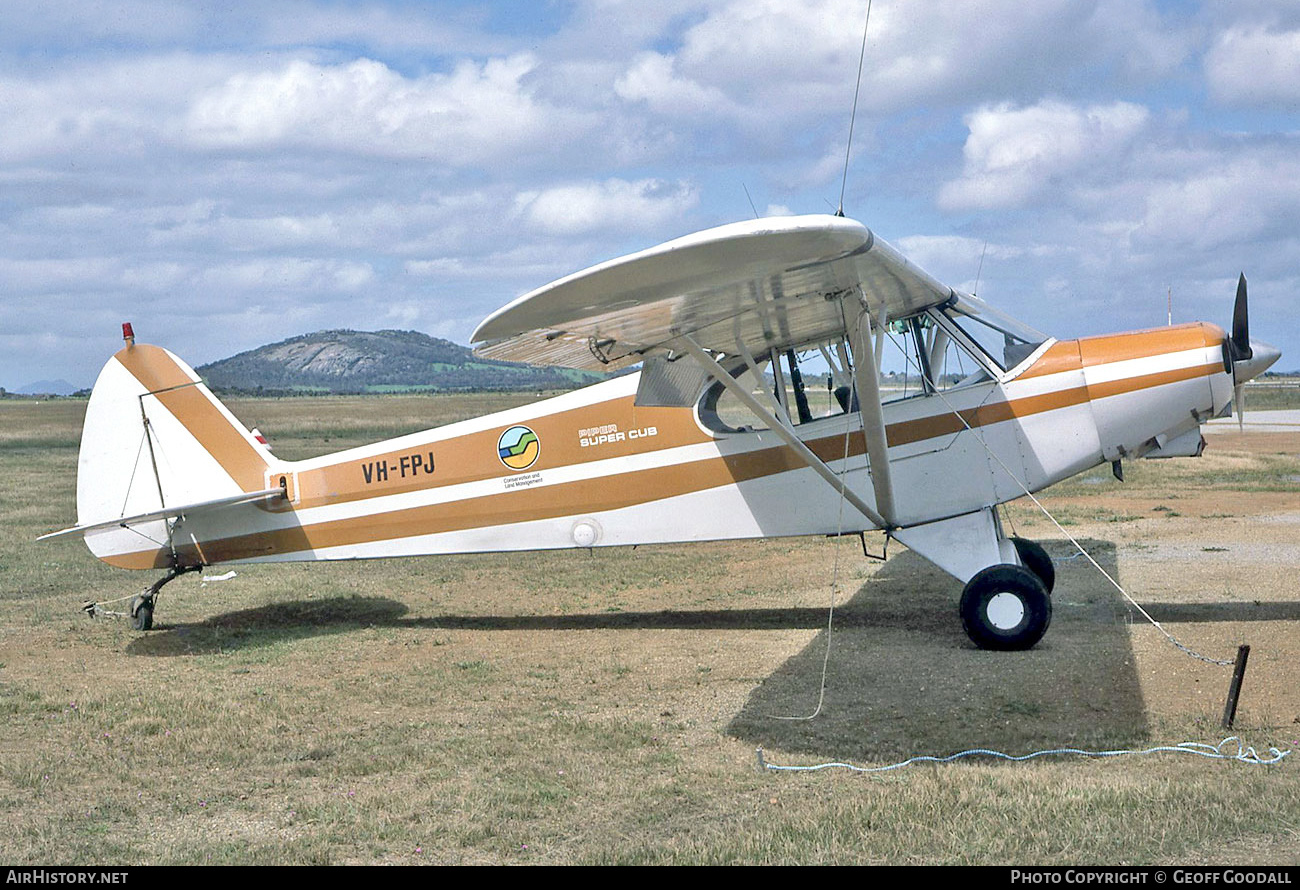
(127, 334)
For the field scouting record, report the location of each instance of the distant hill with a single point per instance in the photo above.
(58, 387)
(378, 361)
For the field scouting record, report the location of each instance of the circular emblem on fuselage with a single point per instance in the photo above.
(518, 447)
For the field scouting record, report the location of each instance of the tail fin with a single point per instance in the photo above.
(155, 437)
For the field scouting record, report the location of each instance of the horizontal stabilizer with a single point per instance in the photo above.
(166, 513)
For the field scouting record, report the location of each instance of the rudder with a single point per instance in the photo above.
(155, 437)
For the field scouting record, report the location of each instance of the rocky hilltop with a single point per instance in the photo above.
(377, 361)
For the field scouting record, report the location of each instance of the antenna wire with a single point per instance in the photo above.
(857, 88)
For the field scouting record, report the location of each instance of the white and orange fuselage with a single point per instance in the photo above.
(592, 468)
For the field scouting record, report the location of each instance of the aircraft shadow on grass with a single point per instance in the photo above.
(902, 679)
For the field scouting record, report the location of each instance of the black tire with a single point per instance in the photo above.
(1035, 558)
(1005, 607)
(141, 613)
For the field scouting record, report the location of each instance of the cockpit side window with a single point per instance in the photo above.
(962, 344)
(819, 380)
(804, 385)
(903, 356)
(720, 409)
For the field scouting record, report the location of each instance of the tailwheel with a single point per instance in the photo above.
(142, 612)
(1005, 607)
(1035, 559)
(142, 605)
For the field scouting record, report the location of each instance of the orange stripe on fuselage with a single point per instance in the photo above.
(1087, 352)
(473, 457)
(1110, 348)
(522, 505)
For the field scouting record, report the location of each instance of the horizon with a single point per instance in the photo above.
(78, 391)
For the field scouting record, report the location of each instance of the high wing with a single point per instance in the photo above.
(759, 284)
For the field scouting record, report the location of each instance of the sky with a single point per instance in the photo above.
(229, 175)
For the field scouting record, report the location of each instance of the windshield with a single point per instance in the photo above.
(1006, 340)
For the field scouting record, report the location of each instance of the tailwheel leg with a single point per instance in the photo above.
(142, 605)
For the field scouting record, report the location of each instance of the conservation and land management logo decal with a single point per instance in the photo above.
(518, 447)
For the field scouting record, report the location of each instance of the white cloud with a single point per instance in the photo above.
(530, 262)
(477, 113)
(274, 276)
(52, 275)
(404, 314)
(615, 205)
(426, 27)
(652, 80)
(953, 259)
(1013, 155)
(104, 110)
(1255, 65)
(157, 277)
(962, 261)
(314, 163)
(754, 59)
(1236, 196)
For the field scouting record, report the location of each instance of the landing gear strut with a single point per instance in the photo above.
(1005, 604)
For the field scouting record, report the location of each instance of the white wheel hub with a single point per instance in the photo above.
(1005, 611)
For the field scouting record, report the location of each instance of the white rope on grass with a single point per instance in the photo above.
(120, 599)
(1221, 751)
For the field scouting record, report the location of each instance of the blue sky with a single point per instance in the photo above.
(225, 179)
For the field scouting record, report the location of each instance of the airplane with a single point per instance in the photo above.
(719, 435)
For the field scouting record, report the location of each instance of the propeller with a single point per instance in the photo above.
(1239, 347)
(1250, 358)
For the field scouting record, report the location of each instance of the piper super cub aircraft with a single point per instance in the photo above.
(715, 437)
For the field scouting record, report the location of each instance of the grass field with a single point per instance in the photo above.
(605, 707)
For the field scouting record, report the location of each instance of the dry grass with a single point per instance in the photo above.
(605, 707)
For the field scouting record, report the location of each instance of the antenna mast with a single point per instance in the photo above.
(854, 114)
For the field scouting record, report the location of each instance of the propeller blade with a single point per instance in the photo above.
(1241, 323)
(1239, 405)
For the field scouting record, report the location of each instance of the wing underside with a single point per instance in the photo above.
(755, 285)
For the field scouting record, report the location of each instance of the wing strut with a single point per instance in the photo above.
(866, 376)
(782, 429)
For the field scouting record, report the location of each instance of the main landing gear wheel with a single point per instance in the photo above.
(1035, 558)
(1005, 607)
